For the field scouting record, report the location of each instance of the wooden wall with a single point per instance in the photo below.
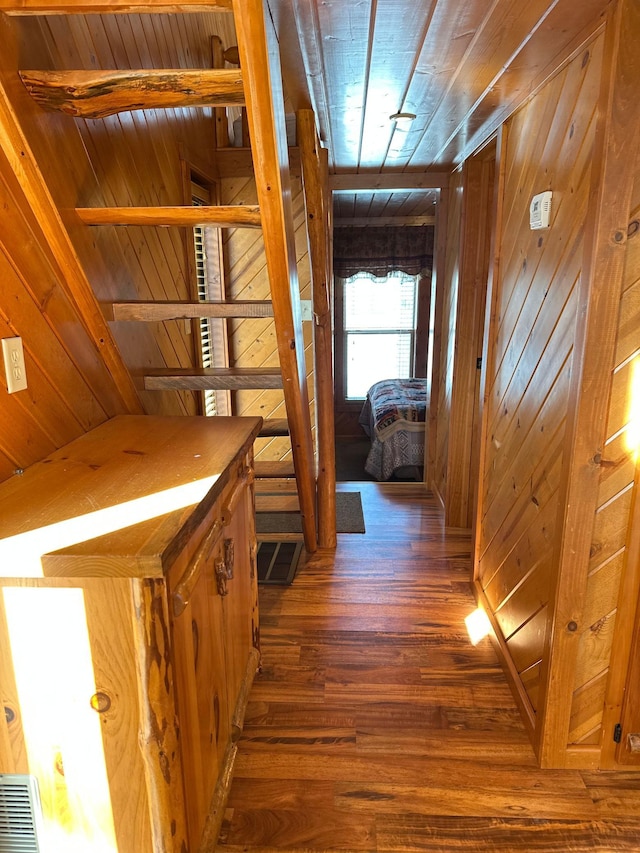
(252, 342)
(549, 145)
(132, 158)
(609, 552)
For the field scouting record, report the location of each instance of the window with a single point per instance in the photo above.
(378, 325)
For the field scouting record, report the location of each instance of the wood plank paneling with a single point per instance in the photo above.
(609, 547)
(129, 159)
(549, 146)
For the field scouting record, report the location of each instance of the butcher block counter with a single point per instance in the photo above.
(129, 629)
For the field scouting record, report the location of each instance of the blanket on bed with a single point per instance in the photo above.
(397, 404)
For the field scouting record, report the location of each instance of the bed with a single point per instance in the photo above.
(393, 416)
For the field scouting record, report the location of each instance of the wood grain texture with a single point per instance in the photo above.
(532, 324)
(599, 295)
(187, 310)
(126, 160)
(97, 94)
(317, 204)
(373, 716)
(179, 217)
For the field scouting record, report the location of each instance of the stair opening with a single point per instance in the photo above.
(278, 562)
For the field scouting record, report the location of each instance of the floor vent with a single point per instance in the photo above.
(278, 561)
(20, 814)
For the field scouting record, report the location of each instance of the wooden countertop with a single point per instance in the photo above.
(119, 500)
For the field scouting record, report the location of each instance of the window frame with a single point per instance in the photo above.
(341, 403)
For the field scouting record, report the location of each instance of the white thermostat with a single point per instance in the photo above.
(540, 210)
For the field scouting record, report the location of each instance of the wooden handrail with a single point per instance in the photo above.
(316, 204)
(258, 49)
(96, 94)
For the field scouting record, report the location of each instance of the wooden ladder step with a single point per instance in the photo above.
(179, 216)
(277, 503)
(272, 427)
(167, 310)
(274, 469)
(212, 378)
(276, 485)
(280, 537)
(96, 94)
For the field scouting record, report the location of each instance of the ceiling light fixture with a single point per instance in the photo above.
(403, 118)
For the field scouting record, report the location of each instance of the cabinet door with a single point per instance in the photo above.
(239, 605)
(198, 644)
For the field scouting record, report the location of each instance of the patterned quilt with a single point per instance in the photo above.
(397, 404)
(393, 416)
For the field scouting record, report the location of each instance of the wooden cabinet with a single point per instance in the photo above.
(129, 629)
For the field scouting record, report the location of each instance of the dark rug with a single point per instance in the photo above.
(349, 517)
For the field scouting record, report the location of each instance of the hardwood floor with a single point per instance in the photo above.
(376, 726)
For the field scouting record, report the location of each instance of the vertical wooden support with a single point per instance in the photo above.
(259, 60)
(437, 297)
(220, 113)
(613, 170)
(316, 202)
(490, 327)
(475, 233)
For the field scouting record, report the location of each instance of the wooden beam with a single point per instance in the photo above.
(384, 182)
(212, 378)
(384, 221)
(105, 7)
(316, 204)
(259, 59)
(159, 311)
(222, 216)
(96, 94)
(614, 166)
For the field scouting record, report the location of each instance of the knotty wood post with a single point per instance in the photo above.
(440, 252)
(260, 65)
(613, 170)
(316, 201)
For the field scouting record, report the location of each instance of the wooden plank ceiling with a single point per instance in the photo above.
(460, 67)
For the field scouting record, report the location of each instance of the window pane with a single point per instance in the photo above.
(372, 357)
(380, 303)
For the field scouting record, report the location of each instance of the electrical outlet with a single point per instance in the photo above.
(13, 355)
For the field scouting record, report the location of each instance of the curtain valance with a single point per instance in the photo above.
(379, 251)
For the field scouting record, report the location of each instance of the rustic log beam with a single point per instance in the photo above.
(105, 7)
(214, 378)
(96, 94)
(317, 205)
(160, 311)
(221, 216)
